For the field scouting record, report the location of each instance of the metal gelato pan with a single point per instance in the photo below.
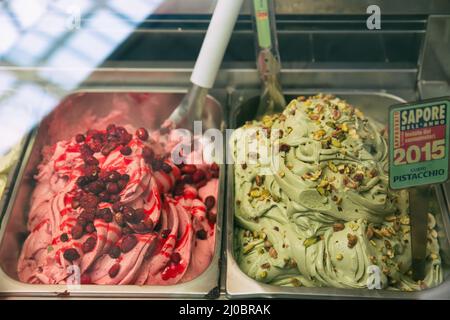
(75, 114)
(239, 285)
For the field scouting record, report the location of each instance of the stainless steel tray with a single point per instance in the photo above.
(64, 122)
(239, 285)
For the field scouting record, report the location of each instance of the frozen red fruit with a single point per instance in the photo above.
(122, 184)
(175, 257)
(117, 206)
(128, 243)
(108, 148)
(77, 231)
(200, 184)
(142, 134)
(112, 188)
(189, 169)
(210, 202)
(126, 150)
(89, 201)
(96, 187)
(91, 161)
(64, 237)
(198, 176)
(79, 138)
(90, 228)
(187, 179)
(113, 198)
(114, 252)
(89, 245)
(71, 254)
(86, 151)
(114, 270)
(82, 181)
(166, 168)
(201, 234)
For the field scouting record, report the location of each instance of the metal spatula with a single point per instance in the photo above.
(268, 59)
(208, 62)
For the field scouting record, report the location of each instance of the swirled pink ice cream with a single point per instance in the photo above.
(114, 204)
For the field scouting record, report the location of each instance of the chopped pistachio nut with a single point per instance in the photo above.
(265, 265)
(354, 226)
(338, 226)
(255, 193)
(336, 143)
(352, 240)
(247, 248)
(339, 257)
(263, 274)
(273, 253)
(391, 218)
(332, 166)
(310, 241)
(319, 134)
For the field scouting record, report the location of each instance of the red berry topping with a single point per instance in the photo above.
(79, 138)
(114, 252)
(175, 257)
(189, 169)
(64, 237)
(201, 234)
(126, 150)
(210, 202)
(89, 245)
(142, 134)
(77, 231)
(128, 243)
(114, 270)
(71, 254)
(112, 188)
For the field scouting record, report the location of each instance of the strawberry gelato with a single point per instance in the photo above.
(114, 204)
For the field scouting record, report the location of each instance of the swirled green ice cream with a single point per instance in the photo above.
(6, 163)
(313, 206)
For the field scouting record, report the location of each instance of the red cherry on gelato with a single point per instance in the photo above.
(142, 134)
(71, 254)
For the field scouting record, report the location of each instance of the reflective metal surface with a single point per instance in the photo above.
(238, 285)
(82, 106)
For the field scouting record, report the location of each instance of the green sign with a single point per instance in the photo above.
(262, 23)
(419, 143)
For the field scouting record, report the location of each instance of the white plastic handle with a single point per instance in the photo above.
(215, 42)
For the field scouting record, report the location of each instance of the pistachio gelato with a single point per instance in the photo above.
(7, 161)
(313, 207)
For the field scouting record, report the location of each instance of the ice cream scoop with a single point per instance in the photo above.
(208, 62)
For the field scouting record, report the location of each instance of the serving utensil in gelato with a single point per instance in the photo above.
(268, 58)
(208, 62)
(418, 201)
